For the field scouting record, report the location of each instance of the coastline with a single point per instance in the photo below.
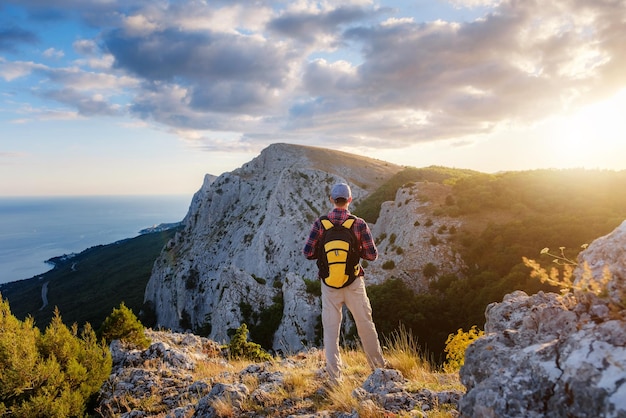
(36, 233)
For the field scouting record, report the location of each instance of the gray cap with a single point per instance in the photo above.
(341, 190)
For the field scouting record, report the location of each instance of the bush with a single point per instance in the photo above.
(456, 344)
(241, 348)
(314, 287)
(53, 374)
(430, 270)
(123, 325)
(389, 265)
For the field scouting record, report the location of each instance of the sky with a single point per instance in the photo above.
(148, 96)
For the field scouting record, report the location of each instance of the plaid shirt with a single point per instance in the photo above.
(363, 234)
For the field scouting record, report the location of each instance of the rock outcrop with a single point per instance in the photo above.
(414, 238)
(176, 377)
(239, 254)
(555, 355)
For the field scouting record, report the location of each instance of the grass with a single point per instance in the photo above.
(304, 385)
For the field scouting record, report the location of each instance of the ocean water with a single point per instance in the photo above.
(36, 229)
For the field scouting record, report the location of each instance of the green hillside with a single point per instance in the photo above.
(505, 217)
(88, 286)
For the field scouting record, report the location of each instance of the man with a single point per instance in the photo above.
(353, 296)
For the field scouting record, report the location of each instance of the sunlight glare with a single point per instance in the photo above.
(593, 135)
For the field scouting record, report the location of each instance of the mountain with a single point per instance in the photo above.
(450, 241)
(239, 257)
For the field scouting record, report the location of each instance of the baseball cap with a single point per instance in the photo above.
(340, 190)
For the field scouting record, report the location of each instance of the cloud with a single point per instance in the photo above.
(87, 105)
(11, 70)
(339, 72)
(306, 26)
(53, 53)
(462, 79)
(12, 37)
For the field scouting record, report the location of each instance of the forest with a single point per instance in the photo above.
(506, 216)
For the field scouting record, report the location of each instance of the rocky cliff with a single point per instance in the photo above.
(556, 355)
(239, 255)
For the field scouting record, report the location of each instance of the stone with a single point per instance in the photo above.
(554, 355)
(159, 378)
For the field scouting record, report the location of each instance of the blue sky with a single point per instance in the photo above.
(145, 97)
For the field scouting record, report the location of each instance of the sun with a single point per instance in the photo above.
(594, 136)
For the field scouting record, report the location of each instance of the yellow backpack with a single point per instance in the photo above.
(338, 253)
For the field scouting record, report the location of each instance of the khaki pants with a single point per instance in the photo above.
(355, 298)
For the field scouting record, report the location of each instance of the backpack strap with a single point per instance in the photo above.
(327, 224)
(348, 222)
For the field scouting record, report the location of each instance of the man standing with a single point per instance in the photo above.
(353, 295)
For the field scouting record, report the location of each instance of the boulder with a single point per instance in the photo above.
(557, 355)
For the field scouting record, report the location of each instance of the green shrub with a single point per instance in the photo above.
(240, 348)
(430, 270)
(314, 287)
(388, 265)
(53, 374)
(122, 324)
(259, 280)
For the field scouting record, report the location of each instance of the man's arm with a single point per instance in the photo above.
(368, 246)
(311, 243)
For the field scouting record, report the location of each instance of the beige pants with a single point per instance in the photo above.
(355, 298)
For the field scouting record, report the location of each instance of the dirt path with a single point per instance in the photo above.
(44, 296)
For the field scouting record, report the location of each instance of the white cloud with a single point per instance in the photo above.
(139, 25)
(11, 70)
(53, 53)
(474, 3)
(256, 69)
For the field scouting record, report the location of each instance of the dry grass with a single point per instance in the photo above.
(305, 385)
(404, 354)
(224, 407)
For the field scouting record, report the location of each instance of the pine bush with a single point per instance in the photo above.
(241, 348)
(54, 374)
(122, 324)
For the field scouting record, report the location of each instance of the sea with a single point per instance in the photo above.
(36, 229)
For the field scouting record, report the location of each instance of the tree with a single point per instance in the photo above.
(122, 324)
(241, 348)
(53, 374)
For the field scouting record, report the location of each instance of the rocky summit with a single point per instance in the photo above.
(556, 355)
(241, 247)
(184, 375)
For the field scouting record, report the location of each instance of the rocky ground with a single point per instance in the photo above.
(557, 355)
(183, 375)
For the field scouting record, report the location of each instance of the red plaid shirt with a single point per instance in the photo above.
(362, 231)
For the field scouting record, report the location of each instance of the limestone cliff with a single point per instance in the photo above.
(240, 250)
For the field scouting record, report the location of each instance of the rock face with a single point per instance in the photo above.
(414, 238)
(555, 355)
(239, 256)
